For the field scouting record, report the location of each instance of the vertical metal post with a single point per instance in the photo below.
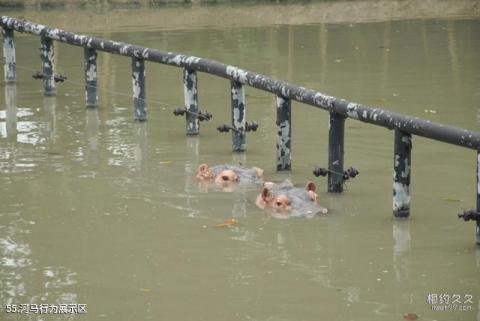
(238, 117)
(47, 56)
(191, 101)
(9, 66)
(91, 91)
(477, 226)
(138, 81)
(336, 136)
(401, 174)
(284, 134)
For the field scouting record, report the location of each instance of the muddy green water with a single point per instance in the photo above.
(98, 210)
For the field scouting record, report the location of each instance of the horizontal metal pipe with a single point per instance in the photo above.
(390, 120)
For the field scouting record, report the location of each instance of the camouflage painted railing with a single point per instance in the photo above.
(339, 109)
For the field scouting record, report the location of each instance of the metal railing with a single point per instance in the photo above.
(404, 126)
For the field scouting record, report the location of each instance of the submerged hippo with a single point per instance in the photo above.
(284, 200)
(227, 176)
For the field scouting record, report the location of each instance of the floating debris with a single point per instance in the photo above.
(410, 316)
(227, 223)
(452, 199)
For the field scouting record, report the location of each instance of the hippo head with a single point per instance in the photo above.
(280, 200)
(281, 203)
(226, 177)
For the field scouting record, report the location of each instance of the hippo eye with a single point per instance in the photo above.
(225, 178)
(279, 204)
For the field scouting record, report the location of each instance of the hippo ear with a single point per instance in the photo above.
(265, 194)
(202, 168)
(311, 186)
(259, 172)
(268, 185)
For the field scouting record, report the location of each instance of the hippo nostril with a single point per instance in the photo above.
(225, 177)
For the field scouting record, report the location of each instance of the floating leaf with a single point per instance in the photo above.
(227, 223)
(164, 162)
(145, 290)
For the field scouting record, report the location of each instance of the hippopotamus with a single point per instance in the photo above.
(283, 200)
(228, 176)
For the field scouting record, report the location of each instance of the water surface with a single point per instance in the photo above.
(99, 210)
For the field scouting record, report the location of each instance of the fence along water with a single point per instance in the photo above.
(340, 109)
